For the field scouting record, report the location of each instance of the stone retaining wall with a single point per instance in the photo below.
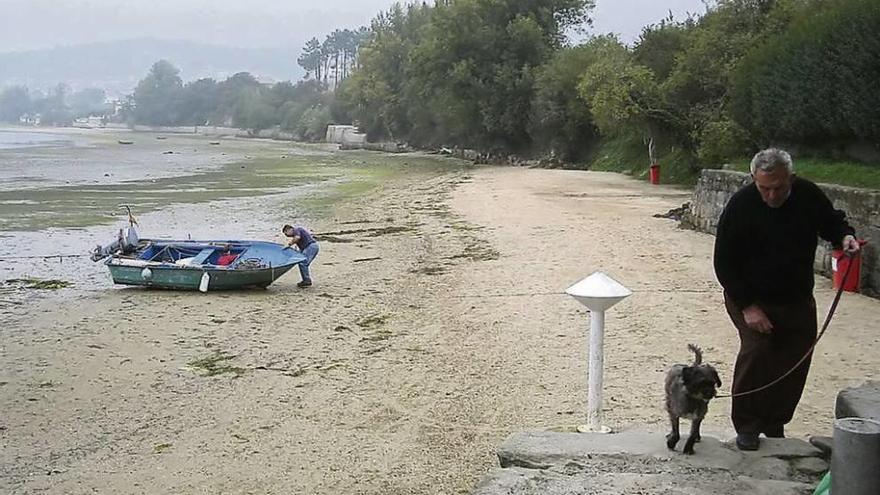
(862, 207)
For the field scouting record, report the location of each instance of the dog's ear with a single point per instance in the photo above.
(717, 378)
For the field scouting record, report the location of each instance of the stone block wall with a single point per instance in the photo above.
(862, 207)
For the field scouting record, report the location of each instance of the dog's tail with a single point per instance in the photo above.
(698, 354)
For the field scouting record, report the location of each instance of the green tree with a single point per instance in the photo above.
(229, 92)
(561, 121)
(199, 100)
(698, 86)
(310, 59)
(15, 102)
(622, 94)
(156, 96)
(474, 68)
(53, 108)
(660, 44)
(376, 94)
(89, 101)
(816, 82)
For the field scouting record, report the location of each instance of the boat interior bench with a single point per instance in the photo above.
(192, 254)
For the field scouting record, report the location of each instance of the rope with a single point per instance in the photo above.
(809, 352)
(46, 257)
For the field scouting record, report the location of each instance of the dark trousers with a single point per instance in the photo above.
(763, 358)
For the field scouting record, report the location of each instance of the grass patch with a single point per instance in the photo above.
(628, 155)
(216, 364)
(36, 283)
(367, 171)
(830, 171)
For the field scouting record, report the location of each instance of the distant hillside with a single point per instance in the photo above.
(118, 66)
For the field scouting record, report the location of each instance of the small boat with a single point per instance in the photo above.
(194, 265)
(123, 141)
(214, 143)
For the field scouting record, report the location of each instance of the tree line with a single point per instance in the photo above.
(304, 108)
(58, 106)
(501, 76)
(337, 54)
(498, 75)
(163, 99)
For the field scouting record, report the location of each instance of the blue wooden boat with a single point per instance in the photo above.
(203, 265)
(195, 265)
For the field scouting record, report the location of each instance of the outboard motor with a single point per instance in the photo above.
(126, 241)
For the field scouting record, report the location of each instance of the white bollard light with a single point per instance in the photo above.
(598, 292)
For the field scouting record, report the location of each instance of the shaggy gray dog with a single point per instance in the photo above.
(688, 392)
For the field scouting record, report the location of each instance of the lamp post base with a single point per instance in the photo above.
(590, 429)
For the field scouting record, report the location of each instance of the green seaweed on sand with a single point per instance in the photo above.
(162, 447)
(216, 364)
(37, 283)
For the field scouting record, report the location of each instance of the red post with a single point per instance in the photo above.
(654, 173)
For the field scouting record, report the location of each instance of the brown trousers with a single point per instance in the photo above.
(763, 358)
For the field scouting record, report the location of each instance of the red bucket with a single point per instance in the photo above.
(840, 263)
(654, 173)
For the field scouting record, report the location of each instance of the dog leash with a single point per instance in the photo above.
(831, 311)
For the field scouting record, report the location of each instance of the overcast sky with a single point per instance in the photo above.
(29, 24)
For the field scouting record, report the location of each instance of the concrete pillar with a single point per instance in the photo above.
(855, 458)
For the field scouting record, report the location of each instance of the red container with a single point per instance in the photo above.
(839, 264)
(654, 173)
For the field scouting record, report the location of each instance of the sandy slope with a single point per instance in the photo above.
(397, 375)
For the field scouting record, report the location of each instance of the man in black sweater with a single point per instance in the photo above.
(764, 252)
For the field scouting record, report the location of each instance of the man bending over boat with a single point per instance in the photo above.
(302, 240)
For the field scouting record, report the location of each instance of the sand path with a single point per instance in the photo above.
(396, 375)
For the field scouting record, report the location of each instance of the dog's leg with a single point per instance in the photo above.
(694, 436)
(674, 436)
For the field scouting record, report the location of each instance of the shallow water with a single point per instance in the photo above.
(79, 157)
(14, 139)
(64, 200)
(82, 183)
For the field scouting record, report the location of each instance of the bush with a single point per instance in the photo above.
(817, 81)
(314, 122)
(720, 141)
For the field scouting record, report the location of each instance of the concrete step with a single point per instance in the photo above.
(862, 401)
(639, 462)
(521, 481)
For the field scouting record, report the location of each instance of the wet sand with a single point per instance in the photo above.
(437, 326)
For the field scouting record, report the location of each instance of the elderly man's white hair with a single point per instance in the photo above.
(771, 159)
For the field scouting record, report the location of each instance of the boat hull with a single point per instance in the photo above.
(177, 278)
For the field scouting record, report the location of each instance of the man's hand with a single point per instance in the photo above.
(850, 245)
(757, 320)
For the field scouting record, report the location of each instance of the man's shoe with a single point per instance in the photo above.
(776, 431)
(747, 441)
(304, 284)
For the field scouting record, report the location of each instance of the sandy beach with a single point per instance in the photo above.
(437, 327)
